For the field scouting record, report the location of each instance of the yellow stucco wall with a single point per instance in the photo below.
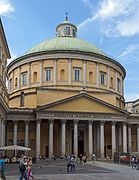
(45, 97)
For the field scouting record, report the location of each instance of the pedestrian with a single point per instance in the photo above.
(23, 168)
(133, 161)
(94, 158)
(84, 159)
(73, 160)
(29, 173)
(69, 163)
(2, 169)
(80, 158)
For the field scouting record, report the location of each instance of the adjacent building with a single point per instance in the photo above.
(67, 96)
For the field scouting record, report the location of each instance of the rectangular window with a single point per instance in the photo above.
(48, 74)
(67, 30)
(24, 79)
(77, 74)
(10, 85)
(118, 85)
(102, 78)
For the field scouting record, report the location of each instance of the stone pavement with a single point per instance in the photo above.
(98, 171)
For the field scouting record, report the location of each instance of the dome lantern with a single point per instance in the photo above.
(66, 29)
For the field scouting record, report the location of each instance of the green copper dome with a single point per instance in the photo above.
(65, 44)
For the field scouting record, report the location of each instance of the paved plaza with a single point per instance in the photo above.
(56, 170)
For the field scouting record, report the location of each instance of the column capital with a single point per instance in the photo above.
(124, 123)
(90, 122)
(113, 123)
(27, 122)
(15, 121)
(70, 59)
(63, 121)
(130, 125)
(51, 121)
(38, 121)
(75, 121)
(102, 122)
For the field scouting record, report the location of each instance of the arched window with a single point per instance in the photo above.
(34, 77)
(62, 75)
(16, 82)
(22, 99)
(111, 83)
(90, 77)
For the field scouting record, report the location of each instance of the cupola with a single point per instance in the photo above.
(66, 29)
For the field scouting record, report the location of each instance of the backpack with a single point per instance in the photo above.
(22, 167)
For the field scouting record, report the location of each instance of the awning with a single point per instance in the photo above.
(14, 148)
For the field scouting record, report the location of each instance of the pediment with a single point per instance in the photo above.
(81, 103)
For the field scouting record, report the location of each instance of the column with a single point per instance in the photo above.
(138, 137)
(38, 135)
(90, 139)
(41, 73)
(97, 75)
(124, 138)
(113, 139)
(129, 137)
(76, 137)
(29, 75)
(108, 77)
(15, 133)
(70, 72)
(19, 77)
(51, 123)
(63, 138)
(120, 138)
(95, 138)
(26, 133)
(102, 139)
(98, 139)
(55, 71)
(2, 132)
(84, 73)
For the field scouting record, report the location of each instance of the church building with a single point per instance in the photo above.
(65, 96)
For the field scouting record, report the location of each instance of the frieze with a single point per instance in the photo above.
(81, 116)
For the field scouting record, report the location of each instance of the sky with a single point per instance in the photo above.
(111, 25)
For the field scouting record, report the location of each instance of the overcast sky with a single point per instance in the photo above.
(112, 25)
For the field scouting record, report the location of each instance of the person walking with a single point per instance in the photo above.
(94, 158)
(133, 161)
(69, 163)
(23, 168)
(2, 169)
(29, 173)
(73, 160)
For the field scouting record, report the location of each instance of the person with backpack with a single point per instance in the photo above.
(23, 168)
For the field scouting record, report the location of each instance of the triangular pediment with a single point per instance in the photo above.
(81, 103)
